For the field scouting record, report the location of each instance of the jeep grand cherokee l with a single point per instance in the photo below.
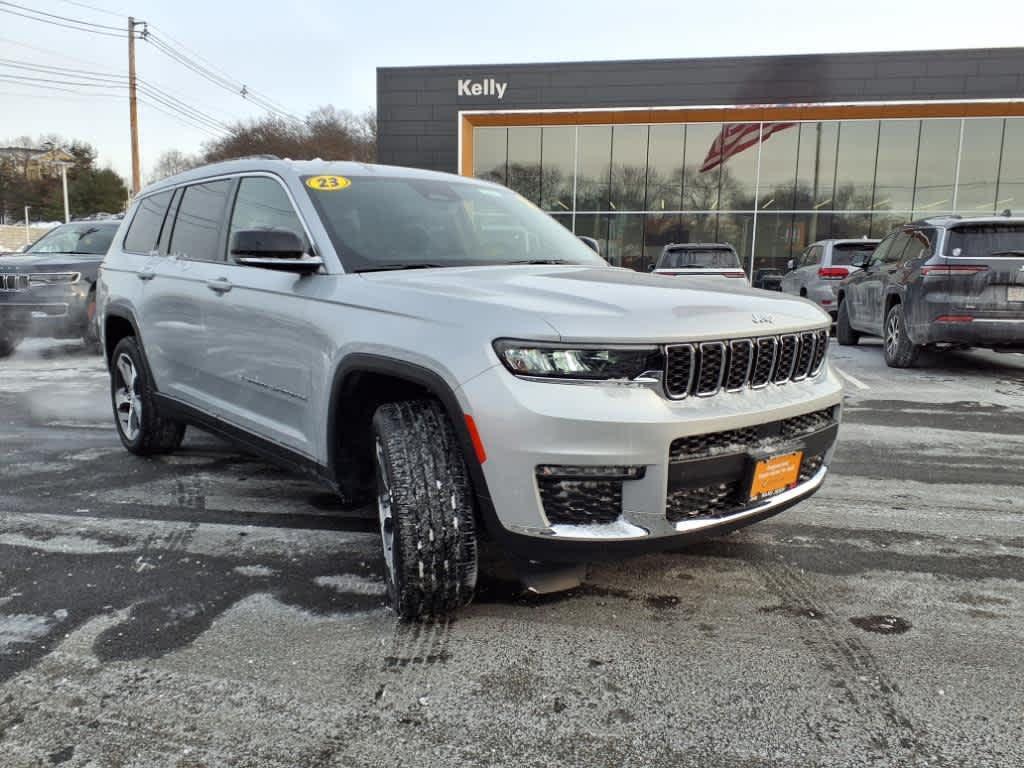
(940, 282)
(443, 346)
(49, 288)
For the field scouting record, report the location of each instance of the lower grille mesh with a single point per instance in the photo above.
(580, 502)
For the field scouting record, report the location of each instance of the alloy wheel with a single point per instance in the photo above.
(893, 332)
(127, 402)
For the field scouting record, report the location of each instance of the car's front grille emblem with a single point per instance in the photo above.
(710, 367)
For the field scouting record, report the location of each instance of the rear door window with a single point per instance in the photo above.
(200, 221)
(144, 231)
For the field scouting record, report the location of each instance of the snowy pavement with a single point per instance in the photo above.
(205, 609)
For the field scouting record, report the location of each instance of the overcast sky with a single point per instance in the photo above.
(307, 53)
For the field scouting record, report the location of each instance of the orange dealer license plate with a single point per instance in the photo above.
(775, 475)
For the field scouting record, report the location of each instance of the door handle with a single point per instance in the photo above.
(145, 274)
(220, 285)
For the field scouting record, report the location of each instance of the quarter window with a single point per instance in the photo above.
(144, 231)
(895, 253)
(197, 227)
(262, 203)
(921, 245)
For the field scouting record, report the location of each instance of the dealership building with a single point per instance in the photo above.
(766, 153)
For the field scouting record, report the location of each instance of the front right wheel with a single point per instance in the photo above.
(143, 430)
(425, 503)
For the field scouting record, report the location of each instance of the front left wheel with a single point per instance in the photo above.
(143, 430)
(8, 343)
(426, 509)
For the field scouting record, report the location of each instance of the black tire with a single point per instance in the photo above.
(845, 335)
(149, 433)
(8, 343)
(900, 351)
(90, 334)
(426, 510)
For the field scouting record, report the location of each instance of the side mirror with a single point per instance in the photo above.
(591, 243)
(278, 249)
(791, 265)
(651, 267)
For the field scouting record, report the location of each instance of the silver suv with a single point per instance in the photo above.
(815, 273)
(443, 346)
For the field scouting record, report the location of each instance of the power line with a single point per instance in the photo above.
(63, 18)
(123, 35)
(95, 8)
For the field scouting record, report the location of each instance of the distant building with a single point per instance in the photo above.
(35, 164)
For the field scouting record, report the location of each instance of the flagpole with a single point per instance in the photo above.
(757, 199)
(813, 234)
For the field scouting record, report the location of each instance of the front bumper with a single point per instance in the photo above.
(528, 424)
(46, 311)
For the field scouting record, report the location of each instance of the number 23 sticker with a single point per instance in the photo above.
(327, 183)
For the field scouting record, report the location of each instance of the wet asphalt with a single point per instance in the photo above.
(205, 609)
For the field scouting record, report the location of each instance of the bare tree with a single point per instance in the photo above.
(171, 162)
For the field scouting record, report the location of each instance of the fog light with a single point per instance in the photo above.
(572, 472)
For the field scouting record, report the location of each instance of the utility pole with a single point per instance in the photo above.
(64, 184)
(28, 237)
(133, 109)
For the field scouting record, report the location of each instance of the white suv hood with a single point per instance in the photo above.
(610, 304)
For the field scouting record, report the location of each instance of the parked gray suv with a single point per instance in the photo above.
(443, 346)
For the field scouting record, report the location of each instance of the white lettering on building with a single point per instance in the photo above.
(486, 87)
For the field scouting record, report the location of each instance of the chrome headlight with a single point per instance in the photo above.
(577, 361)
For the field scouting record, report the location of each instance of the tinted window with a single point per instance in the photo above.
(812, 256)
(882, 251)
(843, 254)
(986, 240)
(394, 222)
(197, 226)
(144, 230)
(699, 259)
(262, 203)
(84, 237)
(895, 253)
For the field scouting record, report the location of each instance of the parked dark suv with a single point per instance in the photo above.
(945, 281)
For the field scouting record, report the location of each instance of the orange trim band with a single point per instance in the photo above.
(474, 435)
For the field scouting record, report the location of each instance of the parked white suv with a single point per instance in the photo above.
(443, 345)
(815, 273)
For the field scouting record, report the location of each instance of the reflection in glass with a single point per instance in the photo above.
(936, 165)
(816, 168)
(778, 166)
(897, 162)
(524, 162)
(736, 150)
(979, 165)
(701, 177)
(626, 240)
(1010, 193)
(700, 228)
(884, 223)
(558, 155)
(665, 167)
(565, 219)
(490, 153)
(850, 225)
(593, 167)
(779, 237)
(629, 167)
(855, 166)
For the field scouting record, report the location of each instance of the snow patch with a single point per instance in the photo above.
(75, 545)
(21, 628)
(351, 584)
(254, 571)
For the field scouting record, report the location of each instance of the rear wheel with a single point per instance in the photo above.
(845, 334)
(140, 425)
(426, 510)
(900, 351)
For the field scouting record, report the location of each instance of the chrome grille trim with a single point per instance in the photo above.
(709, 352)
(13, 281)
(672, 353)
(707, 368)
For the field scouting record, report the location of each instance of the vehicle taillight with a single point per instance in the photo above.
(735, 274)
(948, 270)
(833, 273)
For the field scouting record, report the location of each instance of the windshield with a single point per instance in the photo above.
(982, 240)
(692, 258)
(84, 237)
(404, 223)
(843, 254)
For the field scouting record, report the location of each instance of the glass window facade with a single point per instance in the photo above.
(768, 189)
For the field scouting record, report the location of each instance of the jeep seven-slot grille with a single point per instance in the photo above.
(707, 368)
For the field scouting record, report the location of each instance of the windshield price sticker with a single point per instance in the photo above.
(327, 183)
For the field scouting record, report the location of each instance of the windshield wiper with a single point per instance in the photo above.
(1011, 252)
(391, 267)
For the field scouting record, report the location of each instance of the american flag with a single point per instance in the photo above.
(735, 138)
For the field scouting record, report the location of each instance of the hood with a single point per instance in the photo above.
(585, 303)
(51, 262)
